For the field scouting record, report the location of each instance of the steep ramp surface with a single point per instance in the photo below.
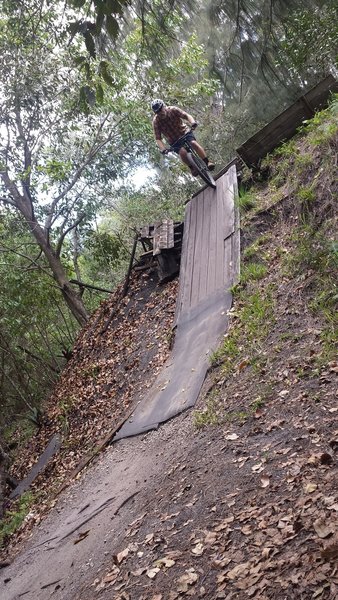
(209, 268)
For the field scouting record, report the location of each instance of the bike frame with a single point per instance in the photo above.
(195, 160)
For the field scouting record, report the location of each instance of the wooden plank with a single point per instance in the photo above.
(190, 256)
(156, 239)
(211, 281)
(211, 220)
(167, 234)
(163, 233)
(228, 199)
(195, 274)
(281, 128)
(219, 275)
(231, 242)
(170, 241)
(207, 242)
(144, 231)
(182, 274)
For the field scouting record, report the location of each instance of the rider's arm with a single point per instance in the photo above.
(160, 145)
(190, 120)
(184, 115)
(158, 136)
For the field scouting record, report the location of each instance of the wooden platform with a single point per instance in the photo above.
(209, 268)
(285, 125)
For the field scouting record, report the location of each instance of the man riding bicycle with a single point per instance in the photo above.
(169, 122)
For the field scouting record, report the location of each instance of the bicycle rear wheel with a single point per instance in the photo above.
(198, 163)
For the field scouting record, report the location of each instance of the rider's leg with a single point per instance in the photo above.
(183, 156)
(201, 152)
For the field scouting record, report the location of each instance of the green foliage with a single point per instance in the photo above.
(316, 255)
(252, 272)
(306, 194)
(35, 327)
(254, 250)
(310, 40)
(246, 200)
(105, 249)
(254, 318)
(14, 518)
(209, 415)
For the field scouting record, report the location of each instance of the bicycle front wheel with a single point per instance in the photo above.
(198, 163)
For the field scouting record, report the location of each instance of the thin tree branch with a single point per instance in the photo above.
(62, 237)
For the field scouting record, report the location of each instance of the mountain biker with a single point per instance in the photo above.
(169, 122)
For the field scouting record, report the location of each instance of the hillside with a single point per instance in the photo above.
(237, 498)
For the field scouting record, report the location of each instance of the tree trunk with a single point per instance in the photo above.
(24, 205)
(72, 298)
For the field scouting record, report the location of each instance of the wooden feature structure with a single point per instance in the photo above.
(285, 125)
(209, 268)
(162, 243)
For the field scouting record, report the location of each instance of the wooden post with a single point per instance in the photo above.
(132, 256)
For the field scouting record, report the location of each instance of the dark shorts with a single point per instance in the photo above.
(178, 145)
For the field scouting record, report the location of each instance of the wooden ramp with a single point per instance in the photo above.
(209, 267)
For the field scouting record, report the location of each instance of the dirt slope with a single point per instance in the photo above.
(238, 498)
(107, 376)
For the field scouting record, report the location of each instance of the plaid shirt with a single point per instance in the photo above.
(168, 123)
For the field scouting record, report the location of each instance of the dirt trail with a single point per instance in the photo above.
(234, 511)
(106, 499)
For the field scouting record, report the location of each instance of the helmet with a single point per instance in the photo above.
(156, 105)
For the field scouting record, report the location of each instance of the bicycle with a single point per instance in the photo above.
(194, 160)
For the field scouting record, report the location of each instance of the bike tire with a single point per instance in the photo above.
(198, 163)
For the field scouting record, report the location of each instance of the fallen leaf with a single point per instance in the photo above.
(122, 555)
(165, 562)
(322, 529)
(265, 481)
(138, 572)
(151, 573)
(198, 549)
(210, 537)
(246, 530)
(238, 570)
(309, 488)
(231, 436)
(186, 580)
(257, 468)
(330, 552)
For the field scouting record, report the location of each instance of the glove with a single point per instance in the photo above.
(194, 125)
(165, 151)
